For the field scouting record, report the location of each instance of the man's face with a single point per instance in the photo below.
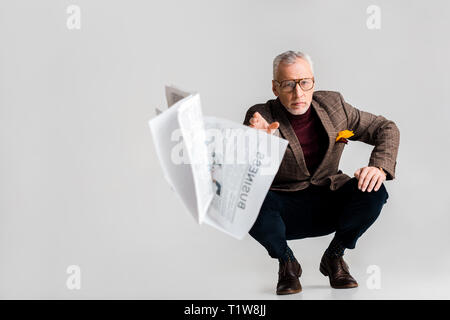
(297, 101)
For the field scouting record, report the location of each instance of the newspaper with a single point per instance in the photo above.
(220, 169)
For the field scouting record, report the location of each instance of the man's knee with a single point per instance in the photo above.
(271, 238)
(270, 210)
(375, 201)
(374, 197)
(380, 196)
(267, 226)
(272, 202)
(366, 206)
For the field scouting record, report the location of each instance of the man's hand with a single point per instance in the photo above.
(258, 122)
(370, 177)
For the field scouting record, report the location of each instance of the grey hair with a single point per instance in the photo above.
(289, 57)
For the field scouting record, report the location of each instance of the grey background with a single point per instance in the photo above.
(80, 183)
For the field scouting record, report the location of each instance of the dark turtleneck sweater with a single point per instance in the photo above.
(312, 136)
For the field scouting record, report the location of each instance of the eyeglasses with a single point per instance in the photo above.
(288, 86)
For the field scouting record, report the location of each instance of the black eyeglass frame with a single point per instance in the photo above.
(297, 81)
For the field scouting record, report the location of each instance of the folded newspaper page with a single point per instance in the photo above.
(220, 169)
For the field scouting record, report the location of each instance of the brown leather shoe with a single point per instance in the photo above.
(288, 275)
(338, 272)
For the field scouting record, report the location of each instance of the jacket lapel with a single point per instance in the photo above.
(289, 133)
(331, 131)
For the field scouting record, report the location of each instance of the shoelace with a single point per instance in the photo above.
(343, 270)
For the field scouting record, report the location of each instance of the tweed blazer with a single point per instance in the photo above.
(335, 115)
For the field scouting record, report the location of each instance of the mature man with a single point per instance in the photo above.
(309, 196)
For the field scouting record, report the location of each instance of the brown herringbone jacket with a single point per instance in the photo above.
(335, 115)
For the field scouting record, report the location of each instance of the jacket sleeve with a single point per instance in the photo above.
(377, 131)
(250, 113)
(248, 116)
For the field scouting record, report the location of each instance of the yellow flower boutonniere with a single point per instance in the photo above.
(343, 135)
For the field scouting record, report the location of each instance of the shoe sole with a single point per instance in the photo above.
(348, 286)
(281, 293)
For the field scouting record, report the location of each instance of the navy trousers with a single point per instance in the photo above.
(316, 211)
